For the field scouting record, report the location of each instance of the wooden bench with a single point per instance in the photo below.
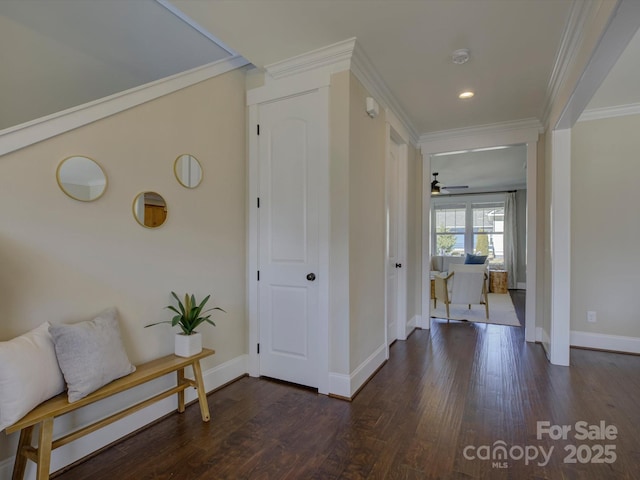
(46, 412)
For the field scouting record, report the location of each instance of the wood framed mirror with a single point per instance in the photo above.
(81, 178)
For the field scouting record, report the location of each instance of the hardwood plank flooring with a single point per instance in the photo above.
(459, 385)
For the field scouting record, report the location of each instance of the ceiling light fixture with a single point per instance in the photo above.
(466, 95)
(460, 56)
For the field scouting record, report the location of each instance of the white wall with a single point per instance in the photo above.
(64, 261)
(605, 226)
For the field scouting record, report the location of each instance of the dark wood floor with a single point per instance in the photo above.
(459, 385)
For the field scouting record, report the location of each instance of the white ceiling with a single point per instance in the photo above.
(513, 46)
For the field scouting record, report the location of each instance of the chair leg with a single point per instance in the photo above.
(44, 449)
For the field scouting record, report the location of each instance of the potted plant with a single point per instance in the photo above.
(189, 316)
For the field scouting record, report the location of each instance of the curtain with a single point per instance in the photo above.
(510, 240)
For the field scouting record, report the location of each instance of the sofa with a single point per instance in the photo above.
(440, 263)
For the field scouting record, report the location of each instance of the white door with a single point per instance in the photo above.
(288, 258)
(393, 259)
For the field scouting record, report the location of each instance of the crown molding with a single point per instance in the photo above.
(572, 36)
(609, 112)
(364, 70)
(336, 57)
(25, 134)
(345, 55)
(530, 127)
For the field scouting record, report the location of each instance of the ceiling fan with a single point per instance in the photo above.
(436, 187)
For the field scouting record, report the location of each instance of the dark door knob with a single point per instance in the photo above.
(398, 265)
(311, 277)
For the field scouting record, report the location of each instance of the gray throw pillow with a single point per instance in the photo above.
(90, 354)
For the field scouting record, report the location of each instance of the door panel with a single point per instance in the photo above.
(393, 165)
(288, 239)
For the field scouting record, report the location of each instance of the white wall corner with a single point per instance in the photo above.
(600, 341)
(424, 322)
(74, 451)
(412, 325)
(340, 385)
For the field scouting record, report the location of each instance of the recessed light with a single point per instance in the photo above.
(467, 94)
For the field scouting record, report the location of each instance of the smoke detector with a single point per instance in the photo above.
(460, 56)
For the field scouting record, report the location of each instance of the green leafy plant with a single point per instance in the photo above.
(189, 315)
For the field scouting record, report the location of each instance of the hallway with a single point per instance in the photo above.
(457, 386)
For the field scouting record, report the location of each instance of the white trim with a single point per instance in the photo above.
(622, 26)
(412, 325)
(253, 192)
(521, 286)
(609, 112)
(288, 87)
(196, 26)
(424, 322)
(346, 386)
(340, 56)
(572, 35)
(20, 136)
(532, 251)
(522, 131)
(68, 454)
(560, 236)
(615, 343)
(337, 57)
(365, 71)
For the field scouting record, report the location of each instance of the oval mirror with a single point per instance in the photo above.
(188, 171)
(81, 178)
(150, 209)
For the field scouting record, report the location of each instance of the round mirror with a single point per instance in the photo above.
(81, 178)
(188, 171)
(150, 209)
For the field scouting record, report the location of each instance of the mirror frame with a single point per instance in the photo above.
(175, 170)
(135, 216)
(104, 174)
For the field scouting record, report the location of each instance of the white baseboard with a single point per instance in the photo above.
(424, 322)
(411, 325)
(347, 385)
(521, 285)
(66, 455)
(601, 341)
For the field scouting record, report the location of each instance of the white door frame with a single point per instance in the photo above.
(268, 93)
(401, 313)
(482, 137)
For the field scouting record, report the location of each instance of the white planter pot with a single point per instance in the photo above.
(187, 345)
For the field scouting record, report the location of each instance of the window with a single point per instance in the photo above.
(450, 229)
(488, 230)
(472, 226)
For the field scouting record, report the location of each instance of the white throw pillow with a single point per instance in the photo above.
(29, 374)
(91, 353)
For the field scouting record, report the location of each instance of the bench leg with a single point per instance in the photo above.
(44, 448)
(202, 395)
(21, 460)
(180, 373)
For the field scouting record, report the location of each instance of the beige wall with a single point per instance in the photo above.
(64, 261)
(414, 232)
(605, 225)
(366, 226)
(339, 212)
